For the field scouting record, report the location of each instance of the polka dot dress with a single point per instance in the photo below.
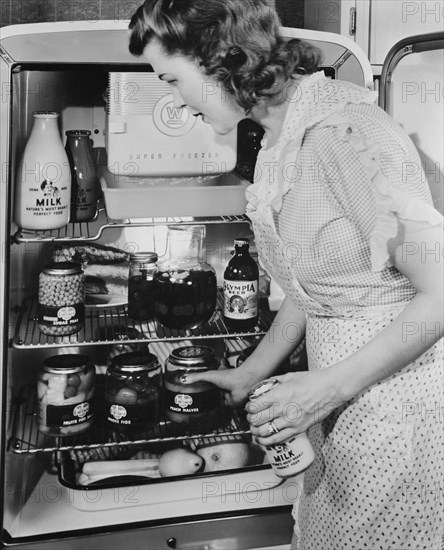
(326, 201)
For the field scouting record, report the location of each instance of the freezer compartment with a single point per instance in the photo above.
(134, 197)
(149, 135)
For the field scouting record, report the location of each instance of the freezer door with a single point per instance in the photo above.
(412, 88)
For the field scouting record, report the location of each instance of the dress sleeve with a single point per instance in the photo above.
(370, 167)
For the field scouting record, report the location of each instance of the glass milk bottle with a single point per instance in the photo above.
(84, 183)
(43, 185)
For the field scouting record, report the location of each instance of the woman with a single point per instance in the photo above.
(356, 245)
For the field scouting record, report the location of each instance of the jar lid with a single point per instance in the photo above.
(135, 361)
(144, 257)
(62, 268)
(241, 241)
(68, 363)
(195, 356)
(78, 133)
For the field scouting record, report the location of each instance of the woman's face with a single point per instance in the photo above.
(191, 88)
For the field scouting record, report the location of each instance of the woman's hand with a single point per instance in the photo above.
(300, 400)
(274, 347)
(235, 382)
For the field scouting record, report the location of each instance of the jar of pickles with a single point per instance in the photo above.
(132, 391)
(141, 289)
(194, 404)
(65, 389)
(61, 302)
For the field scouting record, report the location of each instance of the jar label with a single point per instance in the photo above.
(58, 416)
(130, 415)
(56, 316)
(240, 299)
(191, 403)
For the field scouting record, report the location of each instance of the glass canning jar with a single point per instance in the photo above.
(141, 286)
(65, 390)
(61, 301)
(195, 404)
(186, 286)
(132, 391)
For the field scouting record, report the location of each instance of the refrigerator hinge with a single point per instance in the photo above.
(6, 56)
(352, 22)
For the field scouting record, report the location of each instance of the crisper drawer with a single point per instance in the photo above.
(269, 529)
(249, 481)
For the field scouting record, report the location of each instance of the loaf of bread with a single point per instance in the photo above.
(106, 267)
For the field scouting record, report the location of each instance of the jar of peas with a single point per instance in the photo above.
(61, 302)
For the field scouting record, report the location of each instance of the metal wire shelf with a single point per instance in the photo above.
(26, 438)
(104, 326)
(93, 230)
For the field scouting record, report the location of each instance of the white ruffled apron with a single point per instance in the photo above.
(372, 484)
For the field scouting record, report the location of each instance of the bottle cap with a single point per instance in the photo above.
(78, 133)
(262, 387)
(241, 241)
(45, 114)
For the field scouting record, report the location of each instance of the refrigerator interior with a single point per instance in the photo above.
(64, 68)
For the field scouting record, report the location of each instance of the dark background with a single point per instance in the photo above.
(13, 12)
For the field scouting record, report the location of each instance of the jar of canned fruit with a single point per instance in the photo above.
(65, 389)
(195, 405)
(141, 286)
(61, 302)
(132, 391)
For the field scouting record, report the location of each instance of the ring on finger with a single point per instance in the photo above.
(272, 428)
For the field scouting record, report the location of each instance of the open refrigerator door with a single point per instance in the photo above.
(412, 84)
(68, 68)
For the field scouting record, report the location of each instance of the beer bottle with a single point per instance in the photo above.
(241, 289)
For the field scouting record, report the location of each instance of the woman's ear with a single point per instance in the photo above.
(234, 57)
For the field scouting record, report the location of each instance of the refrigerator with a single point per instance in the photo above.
(70, 67)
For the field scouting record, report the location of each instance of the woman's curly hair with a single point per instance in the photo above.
(237, 42)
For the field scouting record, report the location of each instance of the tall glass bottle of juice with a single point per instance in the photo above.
(84, 182)
(43, 185)
(241, 289)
